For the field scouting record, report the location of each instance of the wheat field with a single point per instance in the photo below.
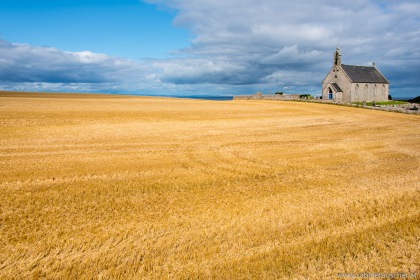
(122, 187)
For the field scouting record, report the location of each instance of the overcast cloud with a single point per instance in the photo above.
(291, 43)
(243, 45)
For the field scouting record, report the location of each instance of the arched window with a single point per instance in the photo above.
(374, 93)
(366, 93)
(384, 95)
(330, 93)
(356, 93)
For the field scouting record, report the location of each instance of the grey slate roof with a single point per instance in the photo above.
(336, 87)
(364, 74)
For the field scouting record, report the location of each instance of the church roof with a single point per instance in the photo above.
(364, 74)
(336, 87)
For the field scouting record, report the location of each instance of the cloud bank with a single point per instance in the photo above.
(23, 66)
(240, 46)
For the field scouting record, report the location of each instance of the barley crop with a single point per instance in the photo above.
(121, 187)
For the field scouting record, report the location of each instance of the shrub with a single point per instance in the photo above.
(305, 96)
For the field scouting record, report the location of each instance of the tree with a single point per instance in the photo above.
(415, 100)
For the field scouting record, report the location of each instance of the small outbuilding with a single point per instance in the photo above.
(350, 83)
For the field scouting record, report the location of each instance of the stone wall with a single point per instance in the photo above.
(369, 92)
(408, 108)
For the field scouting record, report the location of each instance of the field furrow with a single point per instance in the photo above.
(119, 187)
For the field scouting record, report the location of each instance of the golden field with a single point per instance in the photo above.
(120, 187)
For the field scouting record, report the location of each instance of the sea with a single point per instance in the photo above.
(202, 97)
(206, 97)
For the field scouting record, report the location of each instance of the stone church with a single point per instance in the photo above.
(349, 83)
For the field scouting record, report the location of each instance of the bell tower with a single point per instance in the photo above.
(337, 58)
(337, 62)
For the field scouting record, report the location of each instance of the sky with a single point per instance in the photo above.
(204, 47)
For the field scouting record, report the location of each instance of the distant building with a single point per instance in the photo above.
(349, 83)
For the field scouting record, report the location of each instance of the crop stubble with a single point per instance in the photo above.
(101, 186)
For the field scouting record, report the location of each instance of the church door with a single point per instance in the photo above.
(330, 94)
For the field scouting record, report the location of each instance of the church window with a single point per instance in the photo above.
(356, 94)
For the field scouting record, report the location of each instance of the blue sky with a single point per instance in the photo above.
(177, 47)
(125, 28)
